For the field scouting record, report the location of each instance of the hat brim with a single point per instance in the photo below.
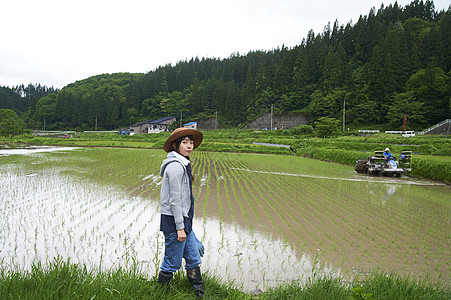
(181, 132)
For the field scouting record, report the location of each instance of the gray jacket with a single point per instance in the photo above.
(175, 194)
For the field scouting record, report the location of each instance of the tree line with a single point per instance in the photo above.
(395, 61)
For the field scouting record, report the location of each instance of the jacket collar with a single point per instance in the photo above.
(179, 157)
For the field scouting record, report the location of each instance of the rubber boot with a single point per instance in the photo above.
(195, 278)
(164, 278)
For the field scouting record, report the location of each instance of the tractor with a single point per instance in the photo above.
(377, 165)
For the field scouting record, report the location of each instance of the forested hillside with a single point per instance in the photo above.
(23, 98)
(392, 62)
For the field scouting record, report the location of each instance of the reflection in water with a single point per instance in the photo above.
(386, 191)
(6, 150)
(255, 220)
(50, 214)
(252, 259)
(358, 222)
(389, 191)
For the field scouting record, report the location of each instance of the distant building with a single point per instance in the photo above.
(152, 126)
(191, 125)
(55, 134)
(160, 125)
(141, 127)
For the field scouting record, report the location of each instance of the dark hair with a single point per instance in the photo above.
(178, 141)
(176, 145)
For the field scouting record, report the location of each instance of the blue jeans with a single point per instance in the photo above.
(174, 251)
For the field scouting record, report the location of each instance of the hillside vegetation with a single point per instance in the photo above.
(392, 62)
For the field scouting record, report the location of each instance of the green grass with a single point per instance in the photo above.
(62, 279)
(65, 280)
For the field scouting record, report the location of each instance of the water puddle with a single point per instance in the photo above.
(29, 150)
(253, 259)
(260, 227)
(55, 214)
(360, 178)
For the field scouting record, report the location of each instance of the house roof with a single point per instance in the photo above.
(140, 123)
(190, 123)
(152, 121)
(161, 120)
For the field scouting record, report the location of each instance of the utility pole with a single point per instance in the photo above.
(181, 114)
(216, 125)
(96, 123)
(344, 114)
(44, 123)
(404, 123)
(271, 115)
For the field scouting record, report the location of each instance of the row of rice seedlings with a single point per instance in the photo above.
(364, 230)
(290, 203)
(409, 228)
(330, 206)
(213, 169)
(374, 228)
(360, 230)
(225, 245)
(286, 190)
(247, 207)
(287, 194)
(277, 200)
(230, 179)
(225, 180)
(240, 264)
(203, 181)
(252, 199)
(321, 237)
(238, 178)
(135, 170)
(42, 230)
(366, 233)
(258, 179)
(277, 213)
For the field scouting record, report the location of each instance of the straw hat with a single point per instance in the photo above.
(180, 132)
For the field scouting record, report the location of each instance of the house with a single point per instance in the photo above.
(160, 125)
(191, 125)
(152, 126)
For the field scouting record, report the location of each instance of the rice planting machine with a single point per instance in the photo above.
(377, 165)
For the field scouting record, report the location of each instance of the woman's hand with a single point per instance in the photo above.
(181, 235)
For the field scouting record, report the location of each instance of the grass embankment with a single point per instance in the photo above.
(432, 154)
(64, 280)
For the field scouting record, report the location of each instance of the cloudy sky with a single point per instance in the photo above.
(57, 42)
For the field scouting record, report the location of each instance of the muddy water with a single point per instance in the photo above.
(353, 223)
(263, 219)
(48, 212)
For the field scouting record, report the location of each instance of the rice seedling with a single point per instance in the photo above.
(263, 216)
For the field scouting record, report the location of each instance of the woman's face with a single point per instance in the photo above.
(186, 147)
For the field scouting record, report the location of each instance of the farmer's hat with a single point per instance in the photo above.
(181, 132)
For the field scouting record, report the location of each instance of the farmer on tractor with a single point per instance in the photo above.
(387, 154)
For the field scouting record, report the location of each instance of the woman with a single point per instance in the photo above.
(177, 209)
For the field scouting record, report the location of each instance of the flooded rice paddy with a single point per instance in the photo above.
(263, 219)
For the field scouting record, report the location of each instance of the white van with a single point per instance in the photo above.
(408, 133)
